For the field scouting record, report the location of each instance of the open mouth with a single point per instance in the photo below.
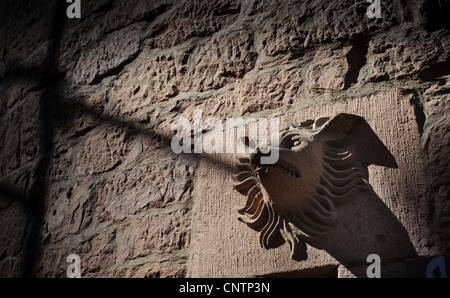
(285, 169)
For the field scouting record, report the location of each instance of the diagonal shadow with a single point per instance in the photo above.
(51, 102)
(34, 200)
(366, 225)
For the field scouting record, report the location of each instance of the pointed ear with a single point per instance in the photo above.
(340, 126)
(355, 130)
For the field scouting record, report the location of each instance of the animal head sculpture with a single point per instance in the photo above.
(294, 199)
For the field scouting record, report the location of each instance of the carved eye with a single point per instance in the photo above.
(297, 143)
(291, 141)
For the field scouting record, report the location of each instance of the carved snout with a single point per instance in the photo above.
(255, 158)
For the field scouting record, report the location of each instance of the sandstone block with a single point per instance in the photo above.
(151, 80)
(103, 150)
(15, 186)
(53, 263)
(29, 75)
(442, 200)
(289, 28)
(193, 18)
(390, 219)
(84, 33)
(108, 57)
(97, 255)
(61, 165)
(153, 270)
(400, 54)
(68, 211)
(27, 27)
(13, 221)
(269, 90)
(21, 134)
(155, 234)
(329, 71)
(124, 13)
(222, 60)
(436, 137)
(31, 128)
(151, 185)
(218, 106)
(9, 143)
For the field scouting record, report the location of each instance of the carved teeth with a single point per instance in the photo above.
(284, 169)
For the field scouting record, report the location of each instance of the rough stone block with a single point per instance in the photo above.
(153, 270)
(13, 221)
(155, 234)
(97, 255)
(152, 79)
(103, 150)
(222, 60)
(399, 54)
(68, 211)
(9, 144)
(329, 71)
(31, 127)
(153, 184)
(193, 18)
(83, 33)
(26, 27)
(436, 137)
(108, 57)
(15, 186)
(21, 134)
(289, 28)
(220, 106)
(124, 13)
(269, 90)
(62, 163)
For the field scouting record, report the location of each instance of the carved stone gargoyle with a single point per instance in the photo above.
(294, 199)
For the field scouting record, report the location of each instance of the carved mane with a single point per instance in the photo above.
(294, 200)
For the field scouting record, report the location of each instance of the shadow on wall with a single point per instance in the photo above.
(366, 225)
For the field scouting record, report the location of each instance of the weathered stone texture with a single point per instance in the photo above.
(103, 150)
(21, 134)
(398, 54)
(436, 136)
(68, 211)
(329, 70)
(289, 28)
(269, 90)
(193, 18)
(86, 108)
(222, 60)
(152, 79)
(125, 13)
(13, 221)
(153, 270)
(97, 254)
(155, 234)
(108, 57)
(153, 185)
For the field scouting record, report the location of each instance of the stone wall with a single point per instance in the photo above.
(86, 106)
